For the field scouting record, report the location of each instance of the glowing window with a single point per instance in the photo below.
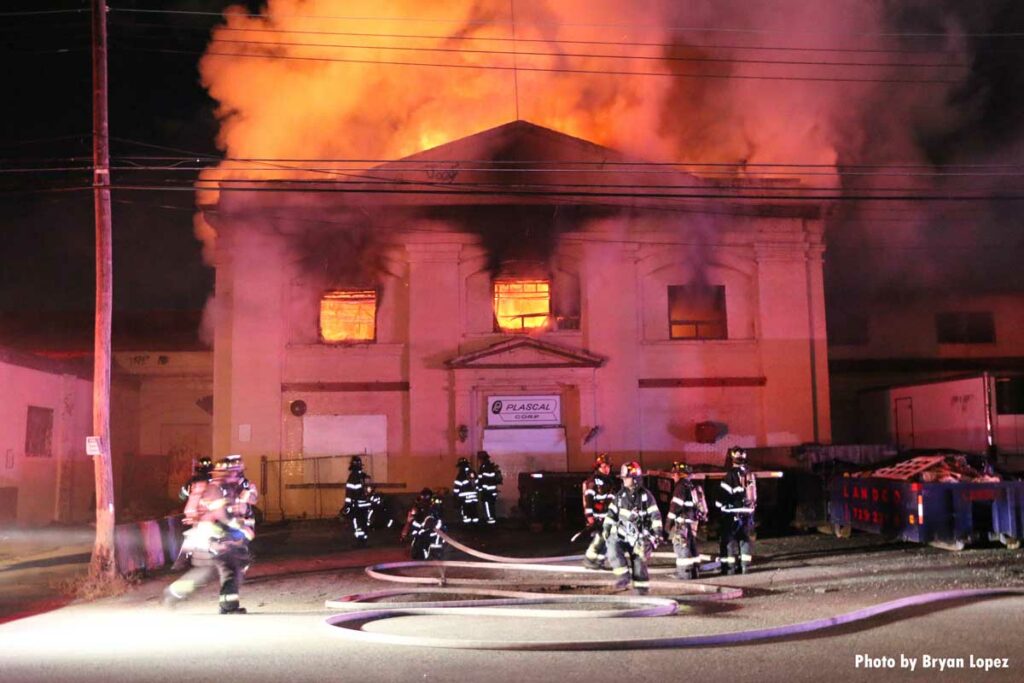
(696, 312)
(521, 305)
(348, 315)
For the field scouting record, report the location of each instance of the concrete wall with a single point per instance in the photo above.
(57, 488)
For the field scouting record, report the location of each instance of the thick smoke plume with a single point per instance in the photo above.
(852, 98)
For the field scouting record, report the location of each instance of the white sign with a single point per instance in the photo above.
(93, 445)
(523, 411)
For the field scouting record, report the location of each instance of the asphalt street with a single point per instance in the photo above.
(285, 637)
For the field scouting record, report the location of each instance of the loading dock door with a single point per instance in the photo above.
(524, 450)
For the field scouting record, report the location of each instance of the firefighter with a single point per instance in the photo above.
(424, 523)
(242, 494)
(380, 511)
(202, 473)
(357, 500)
(464, 489)
(737, 501)
(632, 528)
(489, 477)
(598, 491)
(218, 540)
(687, 510)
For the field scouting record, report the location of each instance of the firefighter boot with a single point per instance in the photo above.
(622, 583)
(694, 571)
(591, 564)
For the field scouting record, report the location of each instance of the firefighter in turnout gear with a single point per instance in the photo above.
(424, 524)
(464, 488)
(737, 501)
(242, 493)
(380, 512)
(202, 473)
(598, 491)
(488, 479)
(687, 510)
(632, 528)
(357, 499)
(218, 541)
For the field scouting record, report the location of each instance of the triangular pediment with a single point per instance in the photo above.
(526, 352)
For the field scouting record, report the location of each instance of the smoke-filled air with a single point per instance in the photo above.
(848, 97)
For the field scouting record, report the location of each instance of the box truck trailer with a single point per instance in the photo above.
(982, 413)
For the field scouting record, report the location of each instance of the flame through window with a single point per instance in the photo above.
(522, 304)
(348, 315)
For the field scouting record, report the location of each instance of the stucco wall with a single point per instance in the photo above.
(57, 488)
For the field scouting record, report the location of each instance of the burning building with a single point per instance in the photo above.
(520, 291)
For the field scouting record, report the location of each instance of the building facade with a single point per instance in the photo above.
(474, 297)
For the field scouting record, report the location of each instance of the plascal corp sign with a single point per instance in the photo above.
(522, 411)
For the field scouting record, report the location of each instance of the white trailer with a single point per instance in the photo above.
(977, 414)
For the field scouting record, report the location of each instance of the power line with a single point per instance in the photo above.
(338, 187)
(654, 58)
(598, 72)
(33, 13)
(555, 41)
(653, 27)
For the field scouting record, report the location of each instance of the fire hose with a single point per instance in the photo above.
(360, 608)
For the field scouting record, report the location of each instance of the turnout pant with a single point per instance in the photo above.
(488, 500)
(628, 561)
(598, 548)
(684, 543)
(360, 516)
(427, 545)
(229, 566)
(468, 509)
(735, 543)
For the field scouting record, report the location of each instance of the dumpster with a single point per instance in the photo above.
(945, 514)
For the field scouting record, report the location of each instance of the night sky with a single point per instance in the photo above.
(155, 99)
(158, 107)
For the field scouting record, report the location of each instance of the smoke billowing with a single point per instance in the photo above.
(853, 98)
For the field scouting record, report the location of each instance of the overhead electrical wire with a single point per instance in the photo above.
(546, 41)
(618, 26)
(534, 69)
(587, 55)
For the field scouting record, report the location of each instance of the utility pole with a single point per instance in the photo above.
(103, 564)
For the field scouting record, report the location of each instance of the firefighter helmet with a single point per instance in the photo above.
(602, 459)
(736, 456)
(631, 469)
(682, 469)
(483, 456)
(232, 463)
(462, 463)
(356, 463)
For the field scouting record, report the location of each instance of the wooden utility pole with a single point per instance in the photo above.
(103, 563)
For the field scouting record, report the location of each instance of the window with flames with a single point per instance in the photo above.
(696, 312)
(348, 316)
(522, 305)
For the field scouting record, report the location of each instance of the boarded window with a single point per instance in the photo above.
(965, 327)
(696, 312)
(521, 305)
(348, 315)
(39, 433)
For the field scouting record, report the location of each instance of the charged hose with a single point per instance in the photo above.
(361, 608)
